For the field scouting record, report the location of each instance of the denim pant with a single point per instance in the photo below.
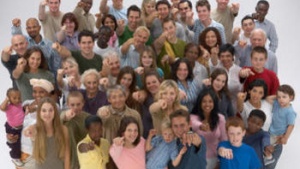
(15, 151)
(276, 154)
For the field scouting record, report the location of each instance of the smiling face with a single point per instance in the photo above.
(110, 23)
(147, 59)
(133, 19)
(180, 126)
(211, 39)
(169, 95)
(140, 37)
(163, 11)
(152, 84)
(170, 28)
(248, 26)
(256, 94)
(88, 5)
(126, 80)
(149, 7)
(47, 113)
(183, 9)
(54, 5)
(182, 71)
(226, 59)
(33, 28)
(19, 44)
(192, 54)
(70, 26)
(219, 82)
(203, 13)
(86, 45)
(207, 104)
(14, 97)
(34, 60)
(91, 83)
(70, 69)
(95, 132)
(131, 133)
(117, 99)
(235, 135)
(222, 4)
(262, 10)
(114, 65)
(38, 93)
(258, 61)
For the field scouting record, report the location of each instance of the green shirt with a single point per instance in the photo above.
(85, 64)
(127, 34)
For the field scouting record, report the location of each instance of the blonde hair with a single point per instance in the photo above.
(164, 86)
(142, 28)
(40, 146)
(143, 10)
(166, 124)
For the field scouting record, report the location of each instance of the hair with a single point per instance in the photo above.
(191, 45)
(235, 122)
(114, 88)
(257, 83)
(246, 18)
(203, 3)
(162, 2)
(123, 126)
(86, 33)
(152, 54)
(203, 34)
(227, 48)
(90, 72)
(287, 89)
(215, 74)
(92, 119)
(150, 73)
(127, 70)
(175, 68)
(143, 10)
(189, 3)
(259, 49)
(111, 53)
(258, 113)
(164, 86)
(71, 61)
(263, 2)
(32, 50)
(11, 90)
(104, 28)
(71, 17)
(197, 110)
(180, 113)
(135, 9)
(142, 28)
(75, 94)
(167, 20)
(165, 124)
(112, 17)
(40, 145)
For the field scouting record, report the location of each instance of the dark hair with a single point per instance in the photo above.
(127, 70)
(203, 3)
(166, 20)
(258, 113)
(180, 113)
(151, 72)
(104, 28)
(263, 2)
(123, 126)
(86, 33)
(257, 83)
(163, 2)
(133, 8)
(235, 122)
(11, 90)
(90, 120)
(215, 74)
(259, 49)
(246, 18)
(197, 110)
(32, 50)
(203, 34)
(112, 17)
(189, 3)
(227, 48)
(191, 45)
(70, 16)
(287, 89)
(175, 68)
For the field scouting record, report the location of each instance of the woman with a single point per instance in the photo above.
(148, 12)
(255, 98)
(110, 21)
(68, 35)
(208, 122)
(128, 149)
(32, 65)
(187, 82)
(51, 141)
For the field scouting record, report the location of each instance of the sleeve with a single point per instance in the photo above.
(275, 85)
(155, 141)
(115, 152)
(255, 162)
(221, 125)
(173, 150)
(16, 30)
(196, 123)
(291, 117)
(273, 38)
(266, 139)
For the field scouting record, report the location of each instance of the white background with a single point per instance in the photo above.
(285, 15)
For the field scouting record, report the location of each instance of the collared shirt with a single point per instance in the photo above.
(270, 30)
(192, 90)
(131, 58)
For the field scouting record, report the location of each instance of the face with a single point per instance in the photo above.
(254, 124)
(235, 135)
(182, 71)
(140, 38)
(126, 80)
(262, 10)
(168, 135)
(169, 95)
(88, 5)
(19, 44)
(152, 84)
(33, 28)
(170, 28)
(149, 8)
(211, 39)
(104, 36)
(147, 59)
(95, 131)
(47, 113)
(15, 97)
(76, 104)
(131, 133)
(257, 39)
(219, 82)
(54, 5)
(163, 11)
(222, 4)
(133, 19)
(284, 99)
(192, 54)
(34, 60)
(70, 26)
(117, 3)
(91, 83)
(86, 44)
(183, 9)
(256, 94)
(248, 26)
(117, 99)
(258, 61)
(226, 59)
(114, 65)
(203, 13)
(70, 69)
(207, 104)
(38, 93)
(110, 23)
(180, 126)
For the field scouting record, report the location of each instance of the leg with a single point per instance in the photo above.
(276, 154)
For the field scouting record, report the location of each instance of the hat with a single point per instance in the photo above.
(43, 83)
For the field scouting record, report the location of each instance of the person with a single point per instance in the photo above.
(12, 106)
(243, 38)
(167, 100)
(73, 118)
(93, 150)
(51, 19)
(112, 114)
(148, 12)
(194, 157)
(283, 121)
(116, 9)
(257, 138)
(225, 14)
(111, 66)
(255, 98)
(262, 8)
(204, 20)
(259, 58)
(183, 11)
(235, 154)
(86, 20)
(162, 148)
(110, 21)
(209, 123)
(102, 43)
(51, 139)
(32, 65)
(128, 149)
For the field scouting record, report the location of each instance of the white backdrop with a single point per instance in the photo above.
(283, 13)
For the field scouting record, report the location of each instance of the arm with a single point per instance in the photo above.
(5, 54)
(159, 42)
(149, 19)
(67, 164)
(103, 7)
(61, 35)
(273, 39)
(121, 27)
(59, 78)
(126, 45)
(42, 10)
(287, 134)
(4, 104)
(19, 68)
(240, 101)
(178, 158)
(61, 50)
(16, 28)
(148, 145)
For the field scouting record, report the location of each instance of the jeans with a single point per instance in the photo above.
(276, 154)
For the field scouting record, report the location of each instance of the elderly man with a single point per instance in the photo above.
(258, 37)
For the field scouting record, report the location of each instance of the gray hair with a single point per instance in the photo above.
(259, 30)
(90, 72)
(114, 88)
(110, 54)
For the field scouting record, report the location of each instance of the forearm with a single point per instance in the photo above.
(103, 7)
(16, 30)
(59, 79)
(42, 12)
(177, 160)
(17, 72)
(120, 30)
(155, 107)
(60, 36)
(4, 104)
(125, 47)
(288, 132)
(159, 43)
(4, 56)
(148, 145)
(64, 52)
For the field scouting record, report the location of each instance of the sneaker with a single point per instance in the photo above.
(269, 160)
(17, 162)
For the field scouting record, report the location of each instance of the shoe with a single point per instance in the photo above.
(269, 160)
(17, 162)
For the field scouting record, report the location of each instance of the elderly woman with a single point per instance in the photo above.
(94, 98)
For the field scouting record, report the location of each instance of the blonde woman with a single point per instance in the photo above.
(148, 12)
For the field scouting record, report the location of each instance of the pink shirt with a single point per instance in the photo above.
(15, 115)
(212, 138)
(129, 158)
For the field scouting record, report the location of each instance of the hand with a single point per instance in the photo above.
(121, 23)
(235, 8)
(139, 70)
(165, 59)
(60, 72)
(105, 67)
(174, 11)
(152, 132)
(16, 22)
(189, 17)
(103, 112)
(85, 147)
(130, 41)
(190, 138)
(30, 131)
(242, 96)
(64, 27)
(44, 3)
(236, 31)
(154, 14)
(183, 150)
(215, 50)
(242, 43)
(204, 127)
(139, 96)
(8, 50)
(12, 138)
(98, 15)
(81, 4)
(71, 81)
(283, 139)
(162, 104)
(104, 82)
(246, 72)
(207, 81)
(22, 62)
(119, 141)
(268, 150)
(225, 153)
(69, 114)
(56, 46)
(255, 16)
(182, 95)
(205, 53)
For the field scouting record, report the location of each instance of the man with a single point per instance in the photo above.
(185, 9)
(243, 38)
(85, 19)
(262, 9)
(117, 9)
(204, 21)
(257, 38)
(195, 156)
(225, 14)
(51, 20)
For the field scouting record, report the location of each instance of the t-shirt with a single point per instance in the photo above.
(85, 64)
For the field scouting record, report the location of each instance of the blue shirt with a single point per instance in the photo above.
(193, 89)
(270, 30)
(131, 58)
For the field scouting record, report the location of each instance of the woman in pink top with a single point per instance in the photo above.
(128, 150)
(208, 122)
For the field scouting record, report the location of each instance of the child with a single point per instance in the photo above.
(283, 120)
(12, 106)
(234, 154)
(162, 148)
(257, 138)
(93, 150)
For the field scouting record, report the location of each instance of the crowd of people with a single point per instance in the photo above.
(151, 86)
